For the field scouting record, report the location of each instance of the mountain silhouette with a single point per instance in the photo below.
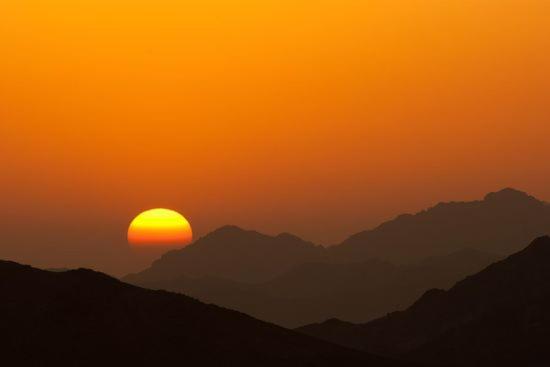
(497, 317)
(313, 292)
(84, 318)
(493, 225)
(291, 282)
(232, 253)
(278, 278)
(496, 224)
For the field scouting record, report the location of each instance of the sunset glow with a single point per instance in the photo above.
(265, 114)
(159, 227)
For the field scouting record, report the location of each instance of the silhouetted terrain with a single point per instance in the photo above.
(279, 278)
(494, 225)
(498, 317)
(313, 292)
(58, 270)
(497, 224)
(84, 318)
(232, 253)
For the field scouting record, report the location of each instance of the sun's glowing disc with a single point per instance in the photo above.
(160, 227)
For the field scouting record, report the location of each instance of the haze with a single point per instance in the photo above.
(320, 118)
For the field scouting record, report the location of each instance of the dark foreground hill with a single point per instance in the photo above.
(498, 317)
(84, 318)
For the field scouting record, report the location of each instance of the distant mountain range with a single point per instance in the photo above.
(232, 253)
(84, 318)
(496, 224)
(313, 292)
(497, 317)
(279, 278)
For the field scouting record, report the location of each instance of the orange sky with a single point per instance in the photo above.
(320, 118)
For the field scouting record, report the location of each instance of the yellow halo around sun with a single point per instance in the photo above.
(159, 226)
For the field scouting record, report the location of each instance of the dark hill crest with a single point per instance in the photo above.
(85, 318)
(509, 195)
(497, 317)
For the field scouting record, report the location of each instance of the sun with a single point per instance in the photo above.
(160, 227)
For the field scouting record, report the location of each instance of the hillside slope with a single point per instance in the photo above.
(84, 318)
(497, 224)
(497, 317)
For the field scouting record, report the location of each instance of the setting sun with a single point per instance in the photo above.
(159, 227)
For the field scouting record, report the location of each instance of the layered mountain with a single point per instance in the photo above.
(313, 292)
(497, 317)
(84, 318)
(496, 224)
(232, 253)
(493, 225)
(291, 282)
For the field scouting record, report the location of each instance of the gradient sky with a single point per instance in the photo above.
(320, 118)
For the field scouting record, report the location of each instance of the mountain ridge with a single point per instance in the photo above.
(246, 270)
(496, 317)
(234, 253)
(83, 317)
(409, 238)
(356, 291)
(495, 224)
